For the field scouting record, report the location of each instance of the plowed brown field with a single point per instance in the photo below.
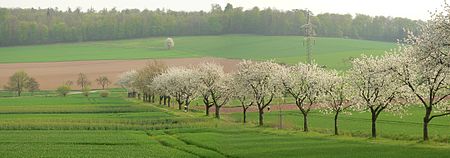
(52, 74)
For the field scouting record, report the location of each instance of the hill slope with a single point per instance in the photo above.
(332, 52)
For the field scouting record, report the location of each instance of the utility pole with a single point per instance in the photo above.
(280, 116)
(309, 33)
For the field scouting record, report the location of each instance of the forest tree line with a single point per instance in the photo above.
(51, 25)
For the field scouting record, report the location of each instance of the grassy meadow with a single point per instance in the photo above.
(332, 52)
(116, 126)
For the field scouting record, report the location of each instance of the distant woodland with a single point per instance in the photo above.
(51, 25)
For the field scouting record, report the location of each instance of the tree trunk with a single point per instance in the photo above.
(160, 100)
(305, 122)
(374, 124)
(426, 121)
(207, 109)
(217, 112)
(18, 89)
(261, 117)
(144, 97)
(336, 132)
(180, 103)
(245, 114)
(168, 101)
(187, 105)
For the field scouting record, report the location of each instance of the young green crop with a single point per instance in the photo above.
(76, 126)
(240, 142)
(79, 143)
(332, 52)
(408, 127)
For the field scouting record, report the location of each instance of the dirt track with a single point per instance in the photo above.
(52, 74)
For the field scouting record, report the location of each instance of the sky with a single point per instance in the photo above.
(413, 9)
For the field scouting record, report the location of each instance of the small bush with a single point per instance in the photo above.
(104, 94)
(63, 90)
(86, 91)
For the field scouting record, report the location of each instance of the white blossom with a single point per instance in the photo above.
(374, 88)
(335, 98)
(261, 79)
(423, 65)
(127, 79)
(243, 94)
(181, 83)
(170, 43)
(215, 86)
(304, 82)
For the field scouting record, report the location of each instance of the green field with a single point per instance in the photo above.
(407, 127)
(76, 126)
(44, 124)
(333, 52)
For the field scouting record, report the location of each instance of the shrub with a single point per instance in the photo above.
(63, 90)
(104, 94)
(86, 91)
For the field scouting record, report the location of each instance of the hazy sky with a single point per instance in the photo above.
(415, 9)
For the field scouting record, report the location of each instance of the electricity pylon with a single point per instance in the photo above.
(309, 33)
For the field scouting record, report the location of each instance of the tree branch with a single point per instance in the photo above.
(440, 115)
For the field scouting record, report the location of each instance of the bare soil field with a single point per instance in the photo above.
(52, 74)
